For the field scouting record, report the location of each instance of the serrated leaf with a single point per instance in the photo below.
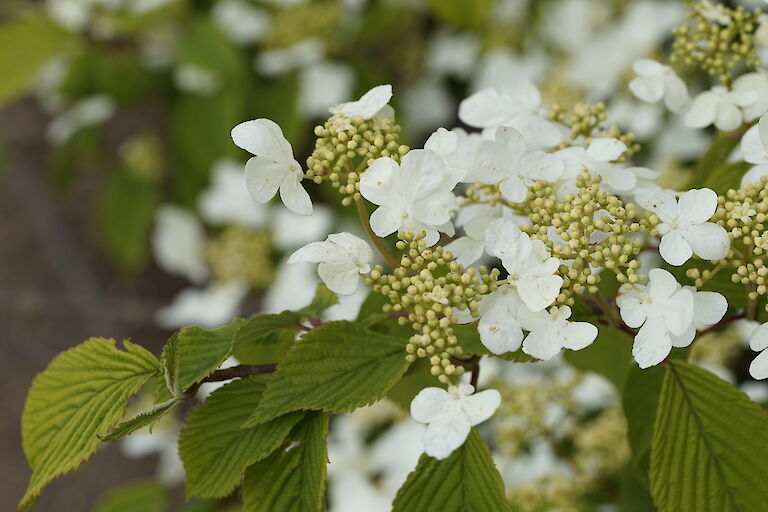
(147, 496)
(709, 445)
(610, 355)
(292, 480)
(170, 377)
(82, 392)
(323, 299)
(469, 340)
(640, 401)
(336, 367)
(417, 378)
(466, 481)
(200, 352)
(141, 420)
(213, 447)
(266, 338)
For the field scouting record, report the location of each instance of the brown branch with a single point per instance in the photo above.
(234, 372)
(722, 323)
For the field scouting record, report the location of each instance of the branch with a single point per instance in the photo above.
(235, 372)
(722, 323)
(363, 214)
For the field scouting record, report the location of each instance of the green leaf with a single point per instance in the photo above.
(214, 448)
(26, 43)
(469, 340)
(417, 378)
(266, 338)
(127, 213)
(199, 352)
(147, 496)
(293, 480)
(725, 177)
(83, 392)
(141, 420)
(323, 299)
(709, 445)
(336, 367)
(640, 401)
(610, 355)
(466, 481)
(719, 149)
(461, 13)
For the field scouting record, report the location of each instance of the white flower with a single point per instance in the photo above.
(708, 307)
(369, 104)
(457, 148)
(657, 82)
(596, 159)
(499, 327)
(299, 55)
(507, 162)
(758, 342)
(684, 228)
(342, 258)
(550, 332)
(194, 79)
(240, 21)
(209, 308)
(530, 267)
(714, 12)
(754, 147)
(450, 415)
(664, 312)
(517, 105)
(273, 167)
(227, 200)
(468, 249)
(413, 196)
(178, 243)
(756, 83)
(720, 107)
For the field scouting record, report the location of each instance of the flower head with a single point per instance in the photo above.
(273, 167)
(342, 258)
(451, 414)
(369, 105)
(656, 82)
(720, 107)
(550, 332)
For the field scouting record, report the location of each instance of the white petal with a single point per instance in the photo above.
(697, 205)
(369, 103)
(652, 344)
(499, 330)
(703, 110)
(708, 308)
(502, 236)
(758, 369)
(263, 137)
(728, 117)
(648, 88)
(377, 182)
(513, 189)
(648, 67)
(759, 338)
(466, 250)
(605, 149)
(480, 406)
(294, 197)
(429, 404)
(632, 311)
(755, 174)
(661, 284)
(752, 147)
(446, 434)
(339, 277)
(485, 108)
(442, 142)
(538, 293)
(579, 335)
(664, 204)
(263, 177)
(674, 248)
(685, 339)
(314, 252)
(678, 312)
(675, 93)
(762, 129)
(708, 241)
(385, 221)
(543, 343)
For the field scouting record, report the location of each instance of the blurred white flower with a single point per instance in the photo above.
(299, 55)
(194, 79)
(85, 113)
(755, 83)
(656, 82)
(292, 288)
(210, 307)
(178, 243)
(412, 196)
(273, 167)
(427, 104)
(342, 258)
(452, 54)
(290, 230)
(451, 414)
(323, 84)
(164, 443)
(663, 310)
(684, 226)
(227, 199)
(720, 107)
(241, 21)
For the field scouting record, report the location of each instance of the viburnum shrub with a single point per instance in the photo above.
(563, 245)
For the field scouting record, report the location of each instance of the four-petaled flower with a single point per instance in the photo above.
(720, 107)
(451, 414)
(342, 258)
(656, 82)
(551, 331)
(684, 228)
(273, 167)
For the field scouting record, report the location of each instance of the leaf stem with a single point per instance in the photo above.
(607, 310)
(363, 214)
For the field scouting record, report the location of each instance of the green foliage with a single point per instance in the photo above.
(610, 355)
(214, 448)
(709, 445)
(147, 496)
(127, 214)
(336, 367)
(141, 420)
(26, 43)
(292, 480)
(265, 338)
(323, 299)
(640, 401)
(460, 13)
(466, 481)
(82, 393)
(417, 378)
(711, 166)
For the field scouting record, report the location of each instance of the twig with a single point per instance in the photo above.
(363, 214)
(234, 372)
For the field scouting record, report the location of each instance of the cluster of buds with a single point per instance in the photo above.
(240, 254)
(716, 39)
(587, 121)
(425, 291)
(346, 147)
(743, 213)
(586, 230)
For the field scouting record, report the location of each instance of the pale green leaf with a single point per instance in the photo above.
(466, 481)
(200, 352)
(83, 392)
(141, 420)
(146, 496)
(336, 367)
(214, 448)
(709, 445)
(293, 480)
